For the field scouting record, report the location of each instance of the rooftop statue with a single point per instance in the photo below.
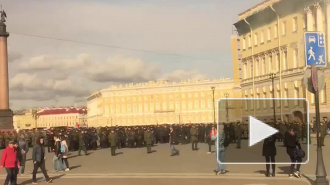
(3, 16)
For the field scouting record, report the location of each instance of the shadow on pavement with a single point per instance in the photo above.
(309, 179)
(261, 172)
(74, 167)
(153, 151)
(284, 170)
(30, 181)
(119, 153)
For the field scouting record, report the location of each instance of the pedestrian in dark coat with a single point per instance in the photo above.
(269, 152)
(113, 139)
(292, 144)
(194, 138)
(148, 140)
(173, 141)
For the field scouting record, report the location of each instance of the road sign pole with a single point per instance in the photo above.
(321, 174)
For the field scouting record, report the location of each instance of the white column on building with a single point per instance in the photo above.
(319, 17)
(327, 8)
(309, 19)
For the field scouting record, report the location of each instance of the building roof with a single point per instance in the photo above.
(257, 8)
(62, 110)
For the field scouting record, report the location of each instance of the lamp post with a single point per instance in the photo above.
(213, 89)
(227, 111)
(273, 76)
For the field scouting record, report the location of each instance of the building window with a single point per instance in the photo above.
(164, 106)
(296, 95)
(158, 106)
(243, 43)
(184, 107)
(277, 67)
(264, 101)
(286, 95)
(249, 41)
(257, 65)
(203, 104)
(269, 35)
(275, 31)
(255, 39)
(323, 95)
(295, 58)
(190, 105)
(246, 103)
(262, 35)
(264, 66)
(252, 102)
(295, 24)
(283, 28)
(177, 106)
(312, 98)
(285, 60)
(245, 70)
(196, 105)
(258, 101)
(270, 62)
(251, 69)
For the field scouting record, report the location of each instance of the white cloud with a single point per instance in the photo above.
(178, 75)
(121, 69)
(52, 87)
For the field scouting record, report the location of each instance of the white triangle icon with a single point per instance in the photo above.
(259, 131)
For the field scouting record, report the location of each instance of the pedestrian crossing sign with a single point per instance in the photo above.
(315, 49)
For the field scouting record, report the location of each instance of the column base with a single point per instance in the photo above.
(6, 119)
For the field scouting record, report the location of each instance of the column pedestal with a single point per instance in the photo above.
(6, 119)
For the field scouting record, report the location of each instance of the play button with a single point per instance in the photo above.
(259, 131)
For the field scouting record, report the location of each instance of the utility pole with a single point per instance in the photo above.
(213, 89)
(273, 76)
(227, 108)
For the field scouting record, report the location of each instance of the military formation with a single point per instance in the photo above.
(83, 139)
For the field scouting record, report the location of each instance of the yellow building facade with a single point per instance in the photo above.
(23, 120)
(50, 118)
(159, 102)
(271, 37)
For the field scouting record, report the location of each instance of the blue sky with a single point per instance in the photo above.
(188, 39)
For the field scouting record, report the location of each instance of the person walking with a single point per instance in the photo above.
(292, 144)
(194, 138)
(212, 134)
(24, 149)
(65, 154)
(173, 140)
(38, 158)
(269, 152)
(82, 143)
(58, 155)
(10, 161)
(113, 139)
(220, 146)
(148, 139)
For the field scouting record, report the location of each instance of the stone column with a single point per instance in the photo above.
(6, 115)
(309, 19)
(319, 17)
(327, 8)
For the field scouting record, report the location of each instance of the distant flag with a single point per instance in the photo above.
(78, 125)
(190, 123)
(67, 126)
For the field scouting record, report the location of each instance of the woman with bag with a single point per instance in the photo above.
(65, 153)
(294, 151)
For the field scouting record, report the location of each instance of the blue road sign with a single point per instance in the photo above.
(315, 49)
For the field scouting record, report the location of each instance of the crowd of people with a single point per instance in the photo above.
(62, 141)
